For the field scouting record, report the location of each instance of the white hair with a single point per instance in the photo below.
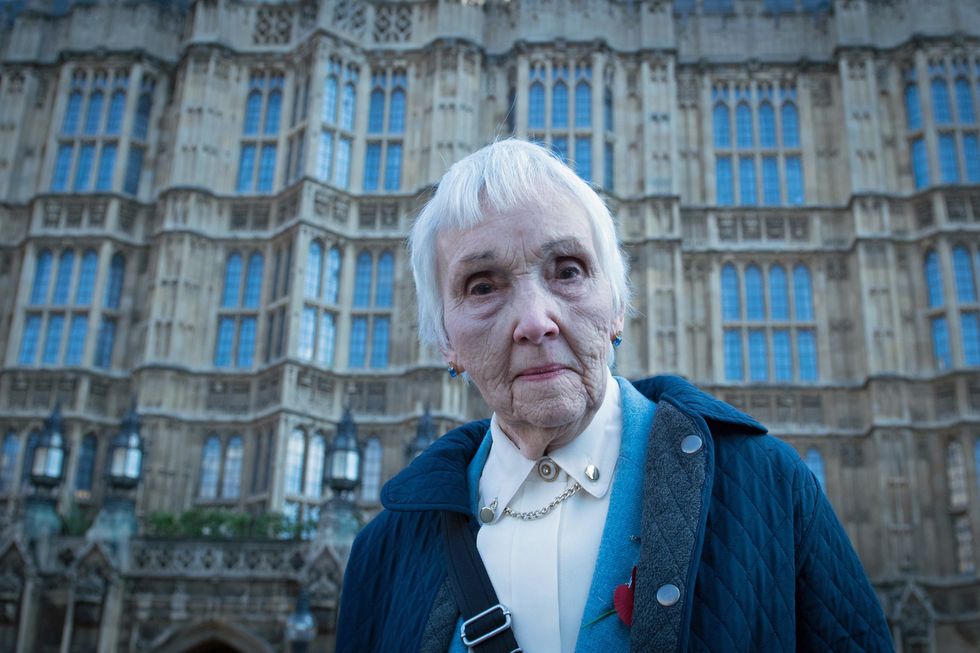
(504, 176)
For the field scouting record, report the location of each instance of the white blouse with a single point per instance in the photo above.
(542, 569)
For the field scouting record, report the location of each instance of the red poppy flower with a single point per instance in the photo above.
(623, 599)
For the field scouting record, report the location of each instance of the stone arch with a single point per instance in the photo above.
(210, 634)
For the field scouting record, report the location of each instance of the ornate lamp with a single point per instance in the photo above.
(424, 436)
(300, 625)
(343, 472)
(48, 465)
(126, 454)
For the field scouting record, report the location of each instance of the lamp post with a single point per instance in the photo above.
(339, 521)
(116, 520)
(47, 470)
(300, 625)
(424, 436)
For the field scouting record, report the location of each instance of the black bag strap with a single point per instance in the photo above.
(486, 623)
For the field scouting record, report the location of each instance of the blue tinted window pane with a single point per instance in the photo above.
(210, 468)
(347, 111)
(393, 166)
(754, 304)
(332, 285)
(583, 157)
(940, 102)
(325, 156)
(743, 126)
(86, 463)
(42, 278)
(113, 288)
(966, 290)
(325, 339)
(559, 106)
(940, 343)
(731, 307)
(231, 480)
(253, 281)
(105, 343)
(358, 342)
(396, 117)
(28, 345)
(583, 105)
(758, 355)
(73, 112)
(934, 280)
(246, 342)
(376, 112)
(949, 167)
(722, 128)
(607, 108)
(225, 342)
(93, 116)
(141, 123)
(330, 100)
(791, 125)
(535, 107)
(372, 166)
(815, 462)
(117, 108)
(62, 167)
(379, 342)
(724, 181)
(920, 164)
(802, 293)
(52, 339)
(913, 110)
(807, 351)
(62, 283)
(733, 355)
(971, 338)
(246, 167)
(362, 280)
(782, 353)
(253, 113)
(971, 152)
(107, 166)
(343, 163)
(964, 102)
(314, 265)
(86, 279)
(307, 333)
(794, 180)
(134, 168)
(272, 112)
(267, 168)
(386, 278)
(233, 279)
(746, 180)
(76, 340)
(767, 125)
(770, 181)
(609, 173)
(778, 293)
(559, 146)
(8, 466)
(83, 170)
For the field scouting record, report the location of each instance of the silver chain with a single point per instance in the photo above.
(541, 512)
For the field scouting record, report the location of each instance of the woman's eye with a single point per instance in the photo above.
(481, 288)
(569, 271)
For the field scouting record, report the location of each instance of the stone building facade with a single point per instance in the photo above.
(203, 207)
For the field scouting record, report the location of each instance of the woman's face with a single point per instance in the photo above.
(529, 314)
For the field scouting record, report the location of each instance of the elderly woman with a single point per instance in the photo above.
(607, 515)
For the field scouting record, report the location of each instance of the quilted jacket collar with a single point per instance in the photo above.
(436, 480)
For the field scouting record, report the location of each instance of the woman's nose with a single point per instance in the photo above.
(535, 319)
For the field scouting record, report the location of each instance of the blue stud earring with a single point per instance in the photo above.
(617, 339)
(453, 372)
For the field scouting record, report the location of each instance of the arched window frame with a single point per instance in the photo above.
(373, 460)
(934, 280)
(755, 305)
(362, 279)
(802, 293)
(384, 290)
(231, 294)
(42, 277)
(314, 270)
(295, 457)
(231, 476)
(210, 468)
(62, 284)
(731, 302)
(114, 285)
(313, 469)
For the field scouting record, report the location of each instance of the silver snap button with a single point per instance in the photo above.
(668, 595)
(691, 444)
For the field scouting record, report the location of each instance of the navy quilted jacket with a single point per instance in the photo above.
(743, 522)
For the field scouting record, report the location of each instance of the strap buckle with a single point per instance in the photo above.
(477, 639)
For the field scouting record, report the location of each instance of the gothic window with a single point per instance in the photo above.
(723, 181)
(386, 273)
(567, 128)
(583, 104)
(85, 472)
(210, 468)
(362, 279)
(86, 278)
(767, 125)
(913, 110)
(720, 115)
(332, 286)
(396, 118)
(559, 102)
(62, 284)
(313, 481)
(257, 155)
(8, 462)
(940, 100)
(113, 291)
(383, 154)
(814, 460)
(934, 281)
(376, 112)
(768, 333)
(336, 136)
(370, 333)
(238, 314)
(305, 457)
(42, 277)
(965, 559)
(371, 486)
(295, 454)
(743, 125)
(535, 111)
(358, 342)
(29, 341)
(314, 264)
(379, 342)
(231, 478)
(52, 339)
(956, 475)
(317, 321)
(966, 290)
